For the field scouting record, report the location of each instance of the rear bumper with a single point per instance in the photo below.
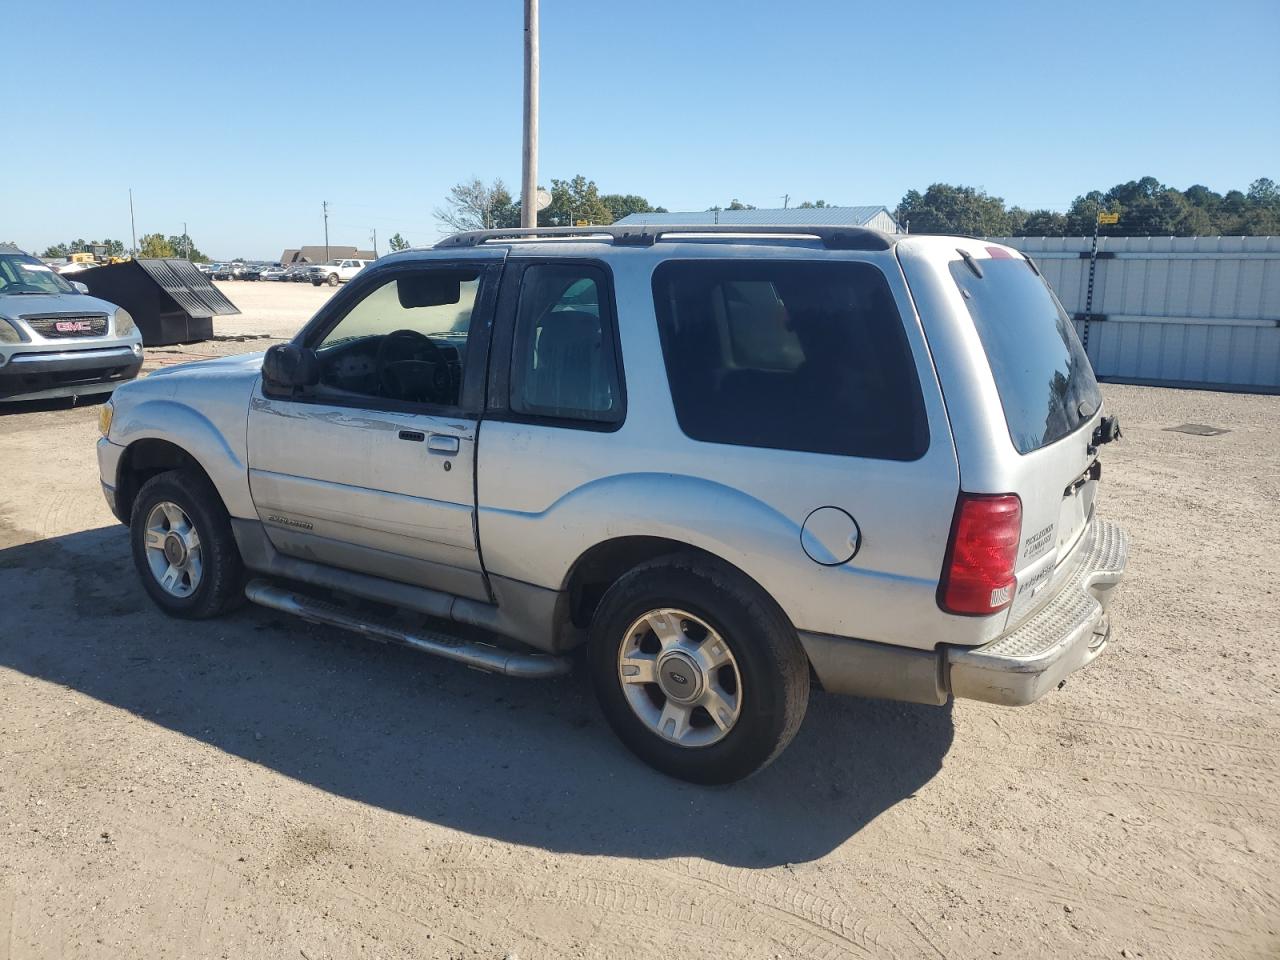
(1068, 633)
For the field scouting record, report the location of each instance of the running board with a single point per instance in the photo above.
(482, 656)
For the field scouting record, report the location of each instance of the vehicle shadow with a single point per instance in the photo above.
(520, 761)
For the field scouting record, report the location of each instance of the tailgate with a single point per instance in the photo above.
(1057, 507)
(1051, 404)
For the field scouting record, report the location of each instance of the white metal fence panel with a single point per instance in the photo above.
(1199, 311)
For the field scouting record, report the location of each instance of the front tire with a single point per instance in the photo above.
(183, 547)
(333, 279)
(697, 670)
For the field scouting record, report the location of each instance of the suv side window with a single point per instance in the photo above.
(403, 342)
(564, 359)
(790, 355)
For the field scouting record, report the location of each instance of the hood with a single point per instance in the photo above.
(219, 366)
(15, 305)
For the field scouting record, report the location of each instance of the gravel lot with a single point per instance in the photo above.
(256, 787)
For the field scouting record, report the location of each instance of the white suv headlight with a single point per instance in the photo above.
(124, 323)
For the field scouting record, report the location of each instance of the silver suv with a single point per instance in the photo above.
(55, 339)
(729, 463)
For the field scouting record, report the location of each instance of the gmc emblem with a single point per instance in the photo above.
(73, 326)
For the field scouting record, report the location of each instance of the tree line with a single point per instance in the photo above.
(476, 205)
(151, 246)
(1144, 207)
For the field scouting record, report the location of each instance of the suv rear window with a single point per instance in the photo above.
(1042, 374)
(790, 355)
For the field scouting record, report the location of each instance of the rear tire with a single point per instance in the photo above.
(183, 547)
(680, 639)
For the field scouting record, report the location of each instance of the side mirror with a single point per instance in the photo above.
(79, 287)
(289, 365)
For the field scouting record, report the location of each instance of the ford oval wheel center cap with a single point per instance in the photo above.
(175, 551)
(679, 677)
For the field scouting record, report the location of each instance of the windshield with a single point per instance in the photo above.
(1042, 374)
(21, 274)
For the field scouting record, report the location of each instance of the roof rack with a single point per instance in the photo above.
(646, 235)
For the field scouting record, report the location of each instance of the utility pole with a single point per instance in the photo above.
(324, 205)
(786, 198)
(133, 227)
(375, 243)
(186, 242)
(529, 171)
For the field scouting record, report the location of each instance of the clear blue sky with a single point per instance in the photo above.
(241, 118)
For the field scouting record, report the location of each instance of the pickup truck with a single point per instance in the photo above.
(729, 463)
(335, 271)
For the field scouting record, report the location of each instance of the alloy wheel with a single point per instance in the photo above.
(679, 676)
(173, 549)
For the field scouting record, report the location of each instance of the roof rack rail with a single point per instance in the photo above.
(646, 235)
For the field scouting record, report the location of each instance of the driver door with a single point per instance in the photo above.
(372, 468)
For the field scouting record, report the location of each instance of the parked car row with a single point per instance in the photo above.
(332, 273)
(239, 270)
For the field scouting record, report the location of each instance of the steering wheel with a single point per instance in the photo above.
(391, 374)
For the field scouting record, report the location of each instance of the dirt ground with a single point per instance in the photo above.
(254, 787)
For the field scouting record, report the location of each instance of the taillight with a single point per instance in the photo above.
(978, 576)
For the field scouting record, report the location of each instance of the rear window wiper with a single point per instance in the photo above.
(970, 262)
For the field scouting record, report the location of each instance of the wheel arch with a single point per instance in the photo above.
(602, 564)
(159, 432)
(145, 458)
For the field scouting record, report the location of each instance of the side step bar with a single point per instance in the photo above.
(482, 656)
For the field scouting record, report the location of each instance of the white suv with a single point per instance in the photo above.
(55, 339)
(336, 271)
(730, 462)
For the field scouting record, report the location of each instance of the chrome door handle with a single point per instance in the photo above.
(442, 444)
